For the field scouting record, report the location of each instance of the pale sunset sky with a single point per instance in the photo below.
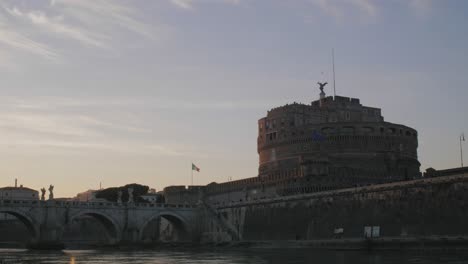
(125, 91)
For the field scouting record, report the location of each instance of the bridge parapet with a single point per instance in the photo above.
(377, 188)
(20, 203)
(57, 203)
(120, 205)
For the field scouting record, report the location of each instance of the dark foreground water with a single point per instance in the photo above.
(229, 256)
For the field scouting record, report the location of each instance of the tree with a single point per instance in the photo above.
(112, 194)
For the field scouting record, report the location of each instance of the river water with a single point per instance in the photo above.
(229, 256)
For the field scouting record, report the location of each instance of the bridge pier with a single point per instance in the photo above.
(49, 238)
(130, 232)
(50, 230)
(130, 236)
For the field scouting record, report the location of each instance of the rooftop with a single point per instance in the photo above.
(9, 188)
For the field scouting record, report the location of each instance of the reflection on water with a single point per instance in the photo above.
(229, 256)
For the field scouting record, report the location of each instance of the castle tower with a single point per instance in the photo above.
(335, 140)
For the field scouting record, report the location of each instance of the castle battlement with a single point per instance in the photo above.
(337, 99)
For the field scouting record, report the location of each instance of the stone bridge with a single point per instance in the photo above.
(124, 223)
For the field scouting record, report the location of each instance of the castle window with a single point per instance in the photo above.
(291, 123)
(382, 130)
(368, 129)
(328, 130)
(408, 133)
(348, 116)
(348, 130)
(272, 136)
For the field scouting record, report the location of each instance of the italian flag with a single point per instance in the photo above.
(195, 168)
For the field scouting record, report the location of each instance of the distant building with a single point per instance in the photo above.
(87, 196)
(18, 193)
(152, 197)
(431, 172)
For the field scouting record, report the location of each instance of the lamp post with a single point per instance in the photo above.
(229, 190)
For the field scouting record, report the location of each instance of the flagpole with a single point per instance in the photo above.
(462, 137)
(333, 65)
(191, 170)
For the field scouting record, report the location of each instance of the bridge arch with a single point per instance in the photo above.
(29, 222)
(112, 227)
(178, 221)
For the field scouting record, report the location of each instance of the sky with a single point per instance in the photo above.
(125, 91)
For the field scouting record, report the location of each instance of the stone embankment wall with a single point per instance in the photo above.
(418, 208)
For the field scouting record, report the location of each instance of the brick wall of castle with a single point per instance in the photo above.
(420, 208)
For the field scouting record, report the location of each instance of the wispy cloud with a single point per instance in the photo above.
(17, 41)
(341, 9)
(329, 8)
(57, 25)
(338, 8)
(53, 103)
(44, 123)
(105, 12)
(77, 146)
(75, 125)
(421, 7)
(185, 4)
(34, 27)
(367, 6)
(188, 4)
(54, 124)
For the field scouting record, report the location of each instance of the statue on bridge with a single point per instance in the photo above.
(43, 193)
(51, 192)
(130, 195)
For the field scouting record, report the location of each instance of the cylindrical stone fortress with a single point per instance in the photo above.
(336, 140)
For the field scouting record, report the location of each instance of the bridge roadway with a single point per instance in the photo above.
(124, 223)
